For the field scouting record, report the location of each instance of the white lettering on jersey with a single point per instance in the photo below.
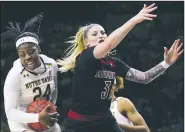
(105, 74)
(38, 82)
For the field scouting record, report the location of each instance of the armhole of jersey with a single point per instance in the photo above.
(117, 104)
(115, 101)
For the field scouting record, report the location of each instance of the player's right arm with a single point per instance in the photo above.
(12, 88)
(120, 33)
(127, 107)
(11, 100)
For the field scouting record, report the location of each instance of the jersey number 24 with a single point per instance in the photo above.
(39, 91)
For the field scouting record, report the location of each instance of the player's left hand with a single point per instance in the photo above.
(46, 118)
(171, 55)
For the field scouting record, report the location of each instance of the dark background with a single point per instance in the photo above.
(159, 102)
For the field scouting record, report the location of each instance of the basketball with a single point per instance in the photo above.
(36, 107)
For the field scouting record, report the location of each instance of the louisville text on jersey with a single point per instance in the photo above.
(105, 74)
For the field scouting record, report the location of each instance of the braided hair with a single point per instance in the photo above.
(30, 30)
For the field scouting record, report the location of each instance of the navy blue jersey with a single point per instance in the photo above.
(92, 82)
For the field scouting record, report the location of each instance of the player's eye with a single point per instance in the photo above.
(22, 55)
(94, 34)
(30, 51)
(102, 32)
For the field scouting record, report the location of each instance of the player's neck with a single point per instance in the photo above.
(113, 98)
(39, 63)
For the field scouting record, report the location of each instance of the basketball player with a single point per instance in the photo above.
(95, 72)
(33, 76)
(124, 111)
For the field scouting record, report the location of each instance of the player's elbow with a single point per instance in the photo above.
(9, 114)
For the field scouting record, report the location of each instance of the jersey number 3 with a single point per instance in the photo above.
(39, 91)
(105, 93)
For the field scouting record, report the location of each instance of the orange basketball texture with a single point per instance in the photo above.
(36, 107)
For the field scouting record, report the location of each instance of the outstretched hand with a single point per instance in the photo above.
(144, 14)
(171, 55)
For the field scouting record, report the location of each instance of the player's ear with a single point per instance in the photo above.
(39, 49)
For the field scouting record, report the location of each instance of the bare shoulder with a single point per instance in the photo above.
(124, 104)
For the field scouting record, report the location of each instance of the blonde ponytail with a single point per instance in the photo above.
(76, 47)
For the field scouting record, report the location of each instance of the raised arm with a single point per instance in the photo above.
(170, 57)
(119, 34)
(147, 76)
(127, 107)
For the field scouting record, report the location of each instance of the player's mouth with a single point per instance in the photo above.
(30, 64)
(101, 41)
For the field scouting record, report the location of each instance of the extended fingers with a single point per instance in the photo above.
(148, 18)
(150, 10)
(149, 15)
(150, 6)
(179, 47)
(176, 47)
(180, 52)
(173, 45)
(177, 44)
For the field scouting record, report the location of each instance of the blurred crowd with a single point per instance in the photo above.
(160, 102)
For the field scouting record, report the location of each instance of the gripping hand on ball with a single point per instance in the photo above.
(46, 118)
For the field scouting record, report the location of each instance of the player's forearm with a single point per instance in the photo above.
(11, 102)
(54, 97)
(119, 34)
(129, 128)
(148, 76)
(21, 116)
(12, 98)
(113, 39)
(55, 92)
